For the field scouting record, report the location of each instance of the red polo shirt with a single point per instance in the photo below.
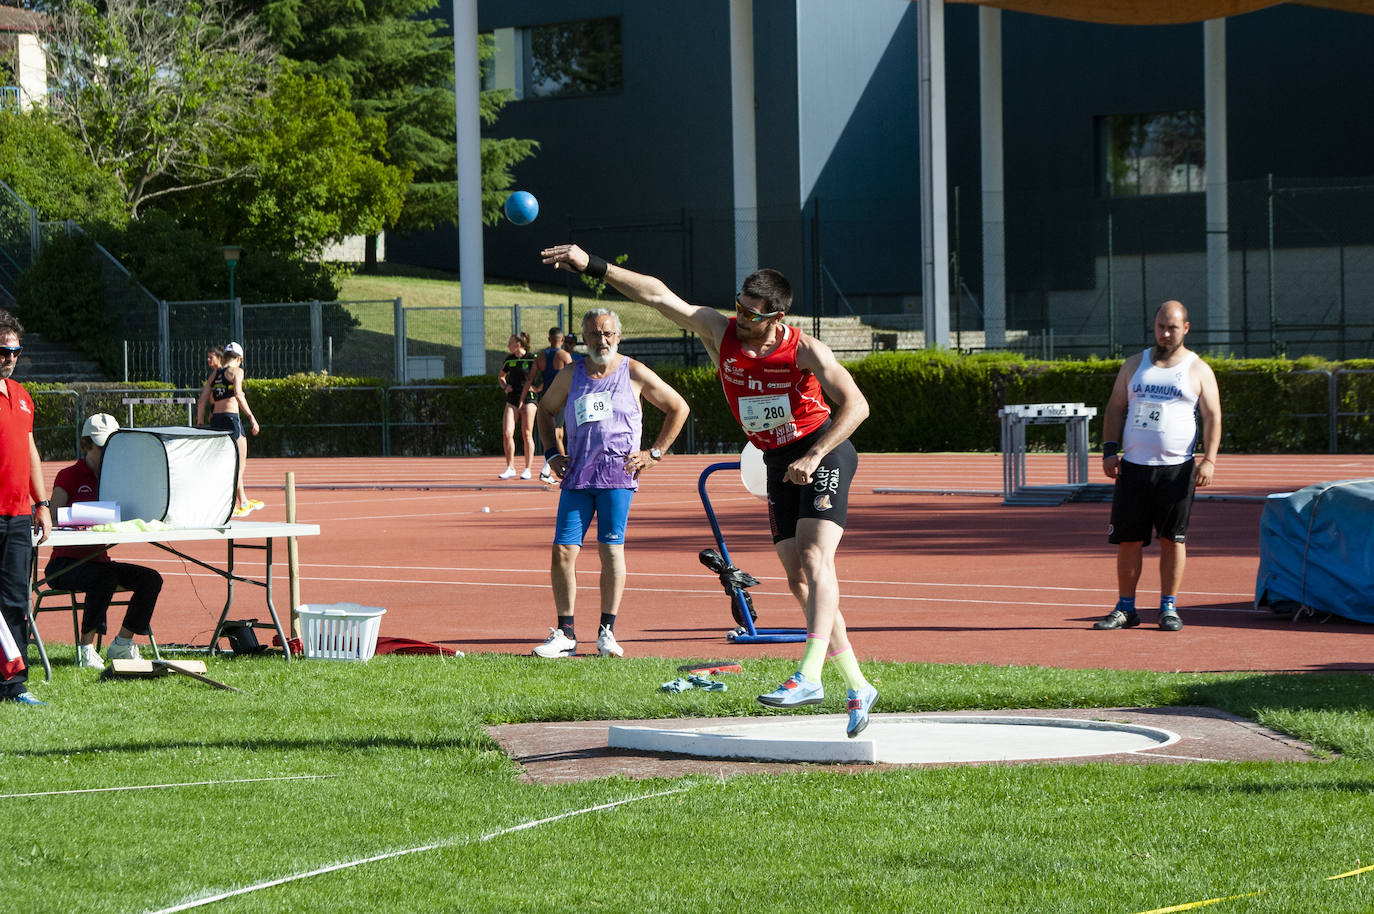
(16, 425)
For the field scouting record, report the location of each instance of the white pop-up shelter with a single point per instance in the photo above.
(184, 477)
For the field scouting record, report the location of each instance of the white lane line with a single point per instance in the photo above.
(59, 793)
(278, 566)
(450, 842)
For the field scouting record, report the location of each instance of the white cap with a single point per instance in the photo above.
(99, 428)
(234, 349)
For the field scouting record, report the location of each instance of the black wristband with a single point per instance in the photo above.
(1110, 449)
(596, 267)
(552, 453)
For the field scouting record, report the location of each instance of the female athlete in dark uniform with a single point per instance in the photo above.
(223, 392)
(520, 405)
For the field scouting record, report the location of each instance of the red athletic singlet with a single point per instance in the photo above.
(774, 401)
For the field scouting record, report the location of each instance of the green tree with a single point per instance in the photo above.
(47, 168)
(154, 90)
(397, 61)
(311, 172)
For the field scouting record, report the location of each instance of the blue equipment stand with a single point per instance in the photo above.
(746, 633)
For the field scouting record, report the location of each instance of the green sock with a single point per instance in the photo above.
(814, 657)
(849, 668)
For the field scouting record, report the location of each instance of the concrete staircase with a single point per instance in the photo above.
(54, 363)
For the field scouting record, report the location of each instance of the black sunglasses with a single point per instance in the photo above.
(11, 351)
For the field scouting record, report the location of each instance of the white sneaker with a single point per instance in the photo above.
(87, 657)
(525, 474)
(606, 644)
(117, 651)
(555, 645)
(548, 478)
(508, 474)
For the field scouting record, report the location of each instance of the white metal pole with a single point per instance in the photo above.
(934, 190)
(994, 218)
(1218, 226)
(744, 144)
(466, 89)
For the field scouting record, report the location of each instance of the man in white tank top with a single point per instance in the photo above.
(1149, 435)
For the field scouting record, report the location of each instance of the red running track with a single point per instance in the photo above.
(931, 578)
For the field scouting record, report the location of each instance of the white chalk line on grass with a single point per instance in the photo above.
(451, 842)
(58, 793)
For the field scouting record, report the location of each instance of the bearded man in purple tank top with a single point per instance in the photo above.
(599, 398)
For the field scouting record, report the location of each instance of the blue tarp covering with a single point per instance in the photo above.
(1317, 549)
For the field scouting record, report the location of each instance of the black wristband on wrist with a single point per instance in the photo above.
(596, 267)
(552, 453)
(1110, 449)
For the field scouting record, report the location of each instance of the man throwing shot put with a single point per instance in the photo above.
(599, 398)
(1150, 432)
(774, 377)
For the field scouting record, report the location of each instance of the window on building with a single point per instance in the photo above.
(572, 58)
(1153, 153)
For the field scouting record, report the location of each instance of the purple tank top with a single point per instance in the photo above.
(604, 420)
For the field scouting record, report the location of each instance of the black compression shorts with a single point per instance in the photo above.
(827, 496)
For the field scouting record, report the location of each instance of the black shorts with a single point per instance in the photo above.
(825, 498)
(228, 422)
(1149, 498)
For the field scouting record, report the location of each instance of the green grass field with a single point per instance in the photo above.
(440, 332)
(405, 764)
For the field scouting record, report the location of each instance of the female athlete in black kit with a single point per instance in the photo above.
(518, 409)
(223, 392)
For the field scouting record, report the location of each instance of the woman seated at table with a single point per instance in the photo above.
(99, 577)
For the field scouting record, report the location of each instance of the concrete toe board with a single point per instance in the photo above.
(580, 750)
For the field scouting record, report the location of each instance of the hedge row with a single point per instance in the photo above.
(919, 401)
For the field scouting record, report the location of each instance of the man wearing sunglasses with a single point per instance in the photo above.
(21, 483)
(777, 381)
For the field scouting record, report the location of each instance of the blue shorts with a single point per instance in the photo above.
(575, 510)
(228, 422)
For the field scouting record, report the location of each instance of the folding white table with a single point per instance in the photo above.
(232, 534)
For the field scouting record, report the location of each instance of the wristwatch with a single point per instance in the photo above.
(655, 453)
(42, 504)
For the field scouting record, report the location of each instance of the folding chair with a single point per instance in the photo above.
(66, 600)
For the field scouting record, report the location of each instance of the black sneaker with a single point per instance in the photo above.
(1169, 621)
(1118, 619)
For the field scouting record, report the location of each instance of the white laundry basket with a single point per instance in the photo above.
(339, 631)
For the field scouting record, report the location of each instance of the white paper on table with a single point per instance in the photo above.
(88, 514)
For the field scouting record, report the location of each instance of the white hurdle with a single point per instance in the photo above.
(1074, 417)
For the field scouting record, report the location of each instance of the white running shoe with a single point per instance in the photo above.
(117, 651)
(547, 478)
(606, 644)
(557, 644)
(525, 474)
(87, 657)
(509, 473)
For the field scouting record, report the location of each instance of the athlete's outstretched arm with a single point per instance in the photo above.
(710, 325)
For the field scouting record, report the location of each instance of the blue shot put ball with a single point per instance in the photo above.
(521, 207)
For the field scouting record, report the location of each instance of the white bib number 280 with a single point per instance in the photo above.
(593, 407)
(759, 414)
(1148, 416)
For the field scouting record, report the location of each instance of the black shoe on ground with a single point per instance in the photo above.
(1118, 619)
(1169, 621)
